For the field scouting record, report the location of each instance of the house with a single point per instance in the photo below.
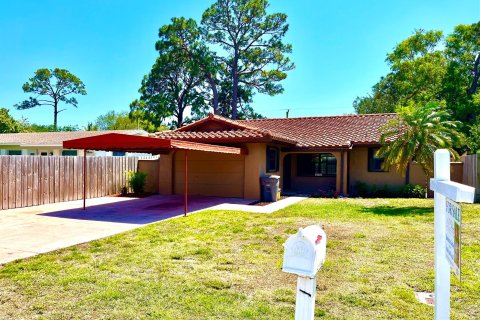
(216, 156)
(51, 143)
(310, 154)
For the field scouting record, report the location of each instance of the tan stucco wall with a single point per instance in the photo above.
(254, 168)
(359, 171)
(209, 174)
(151, 168)
(165, 174)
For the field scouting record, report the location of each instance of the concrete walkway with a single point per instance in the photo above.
(269, 208)
(26, 232)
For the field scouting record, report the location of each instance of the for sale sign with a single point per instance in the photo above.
(453, 235)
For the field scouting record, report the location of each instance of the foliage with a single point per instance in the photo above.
(413, 191)
(251, 40)
(136, 181)
(113, 120)
(236, 51)
(416, 134)
(366, 190)
(90, 127)
(176, 80)
(428, 66)
(7, 123)
(33, 127)
(473, 137)
(236, 257)
(56, 85)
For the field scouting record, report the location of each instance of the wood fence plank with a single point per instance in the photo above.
(11, 181)
(29, 169)
(6, 181)
(95, 177)
(35, 180)
(18, 181)
(79, 177)
(51, 182)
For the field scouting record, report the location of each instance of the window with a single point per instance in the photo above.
(14, 152)
(272, 159)
(316, 165)
(69, 152)
(118, 153)
(375, 164)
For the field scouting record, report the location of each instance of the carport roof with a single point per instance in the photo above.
(129, 143)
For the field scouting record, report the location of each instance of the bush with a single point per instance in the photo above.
(413, 191)
(365, 190)
(136, 180)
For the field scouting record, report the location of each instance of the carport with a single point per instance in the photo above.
(129, 143)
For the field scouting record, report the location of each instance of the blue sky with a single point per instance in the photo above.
(339, 48)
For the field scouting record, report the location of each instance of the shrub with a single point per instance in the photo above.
(365, 190)
(136, 180)
(413, 191)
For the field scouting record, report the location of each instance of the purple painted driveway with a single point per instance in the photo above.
(26, 232)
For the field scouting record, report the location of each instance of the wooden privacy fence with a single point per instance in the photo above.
(471, 174)
(33, 180)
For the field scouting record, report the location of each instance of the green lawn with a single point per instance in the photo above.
(227, 265)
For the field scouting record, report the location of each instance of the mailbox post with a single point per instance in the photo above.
(304, 254)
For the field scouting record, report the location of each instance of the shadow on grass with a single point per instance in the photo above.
(399, 211)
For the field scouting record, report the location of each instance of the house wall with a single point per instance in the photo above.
(210, 174)
(254, 168)
(165, 173)
(151, 168)
(359, 172)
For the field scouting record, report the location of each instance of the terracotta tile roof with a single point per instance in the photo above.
(304, 133)
(55, 139)
(231, 131)
(330, 131)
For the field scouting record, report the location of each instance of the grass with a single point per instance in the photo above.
(227, 265)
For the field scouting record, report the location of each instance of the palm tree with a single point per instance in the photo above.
(416, 134)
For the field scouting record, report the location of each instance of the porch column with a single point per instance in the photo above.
(345, 172)
(84, 178)
(185, 186)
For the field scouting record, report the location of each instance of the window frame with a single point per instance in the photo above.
(15, 152)
(276, 167)
(371, 158)
(69, 151)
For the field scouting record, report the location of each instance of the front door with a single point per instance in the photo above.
(287, 172)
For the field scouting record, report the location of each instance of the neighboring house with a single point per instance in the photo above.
(311, 154)
(51, 143)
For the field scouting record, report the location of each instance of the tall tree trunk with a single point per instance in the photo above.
(407, 174)
(476, 76)
(55, 115)
(235, 85)
(213, 85)
(180, 114)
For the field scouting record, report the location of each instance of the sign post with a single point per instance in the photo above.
(455, 192)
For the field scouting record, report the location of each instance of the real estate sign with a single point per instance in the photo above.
(453, 235)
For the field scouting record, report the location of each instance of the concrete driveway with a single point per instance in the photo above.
(26, 232)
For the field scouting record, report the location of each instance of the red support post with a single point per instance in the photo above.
(185, 192)
(84, 178)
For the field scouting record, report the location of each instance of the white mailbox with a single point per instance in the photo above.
(304, 252)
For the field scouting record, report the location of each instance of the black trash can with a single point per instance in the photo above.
(270, 186)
